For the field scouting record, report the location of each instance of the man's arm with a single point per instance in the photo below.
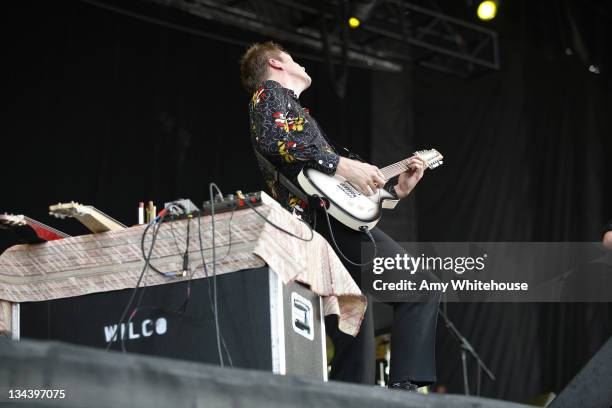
(279, 135)
(369, 177)
(408, 180)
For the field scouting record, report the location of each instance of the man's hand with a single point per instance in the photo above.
(366, 177)
(409, 179)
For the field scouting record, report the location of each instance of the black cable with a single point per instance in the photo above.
(174, 237)
(144, 288)
(180, 311)
(142, 251)
(183, 307)
(186, 253)
(214, 254)
(281, 228)
(229, 357)
(145, 267)
(229, 245)
(215, 305)
(166, 274)
(365, 230)
(229, 233)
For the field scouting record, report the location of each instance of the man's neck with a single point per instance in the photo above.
(287, 83)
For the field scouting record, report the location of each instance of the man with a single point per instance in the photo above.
(288, 137)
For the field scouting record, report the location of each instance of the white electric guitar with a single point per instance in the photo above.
(92, 218)
(347, 204)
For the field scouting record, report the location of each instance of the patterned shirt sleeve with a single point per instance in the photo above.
(286, 133)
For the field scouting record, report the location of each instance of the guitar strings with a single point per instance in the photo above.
(394, 169)
(60, 233)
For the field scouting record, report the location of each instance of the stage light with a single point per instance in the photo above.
(594, 69)
(487, 10)
(360, 11)
(354, 22)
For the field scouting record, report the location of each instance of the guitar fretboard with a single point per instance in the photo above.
(395, 169)
(431, 157)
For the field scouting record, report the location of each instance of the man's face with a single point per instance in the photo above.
(295, 70)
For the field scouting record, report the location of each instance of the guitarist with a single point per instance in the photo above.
(288, 137)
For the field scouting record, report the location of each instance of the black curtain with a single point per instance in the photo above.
(110, 110)
(527, 159)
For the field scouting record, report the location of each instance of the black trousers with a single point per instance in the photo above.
(413, 334)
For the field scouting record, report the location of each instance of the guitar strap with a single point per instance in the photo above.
(280, 177)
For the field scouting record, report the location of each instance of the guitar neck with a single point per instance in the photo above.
(432, 159)
(44, 231)
(28, 230)
(92, 218)
(395, 169)
(96, 221)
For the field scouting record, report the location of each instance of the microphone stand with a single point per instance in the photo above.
(466, 347)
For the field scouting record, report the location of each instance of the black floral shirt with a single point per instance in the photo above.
(285, 134)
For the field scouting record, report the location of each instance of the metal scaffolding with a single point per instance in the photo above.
(397, 32)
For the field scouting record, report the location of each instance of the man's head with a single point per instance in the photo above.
(268, 60)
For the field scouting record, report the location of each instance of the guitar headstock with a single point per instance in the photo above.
(10, 221)
(432, 157)
(68, 210)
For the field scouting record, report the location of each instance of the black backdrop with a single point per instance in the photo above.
(531, 148)
(109, 110)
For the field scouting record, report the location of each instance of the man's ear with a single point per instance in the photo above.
(275, 64)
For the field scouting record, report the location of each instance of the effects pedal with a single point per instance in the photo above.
(231, 202)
